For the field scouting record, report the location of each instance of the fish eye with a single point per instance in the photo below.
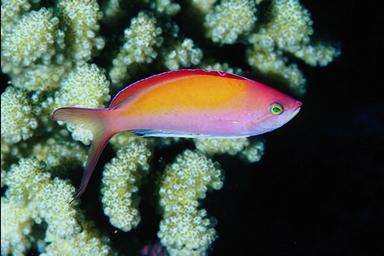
(276, 108)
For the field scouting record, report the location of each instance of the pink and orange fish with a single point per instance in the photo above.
(184, 103)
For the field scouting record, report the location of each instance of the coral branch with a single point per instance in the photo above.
(230, 19)
(141, 40)
(185, 229)
(121, 182)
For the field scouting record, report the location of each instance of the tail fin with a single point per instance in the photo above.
(93, 119)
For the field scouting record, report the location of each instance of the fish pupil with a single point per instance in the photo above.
(276, 108)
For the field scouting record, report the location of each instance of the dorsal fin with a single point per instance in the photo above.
(146, 83)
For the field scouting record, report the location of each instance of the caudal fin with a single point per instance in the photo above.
(94, 120)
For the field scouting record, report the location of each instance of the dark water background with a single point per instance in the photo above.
(319, 190)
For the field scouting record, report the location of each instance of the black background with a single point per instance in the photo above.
(319, 189)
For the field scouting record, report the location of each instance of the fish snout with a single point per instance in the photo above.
(297, 104)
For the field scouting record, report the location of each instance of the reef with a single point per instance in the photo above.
(80, 53)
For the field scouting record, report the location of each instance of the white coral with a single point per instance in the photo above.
(121, 181)
(185, 230)
(230, 19)
(31, 39)
(81, 19)
(183, 54)
(18, 120)
(16, 227)
(140, 42)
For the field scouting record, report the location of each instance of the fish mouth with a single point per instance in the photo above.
(295, 112)
(295, 109)
(295, 105)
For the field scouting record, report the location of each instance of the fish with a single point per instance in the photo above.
(185, 103)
